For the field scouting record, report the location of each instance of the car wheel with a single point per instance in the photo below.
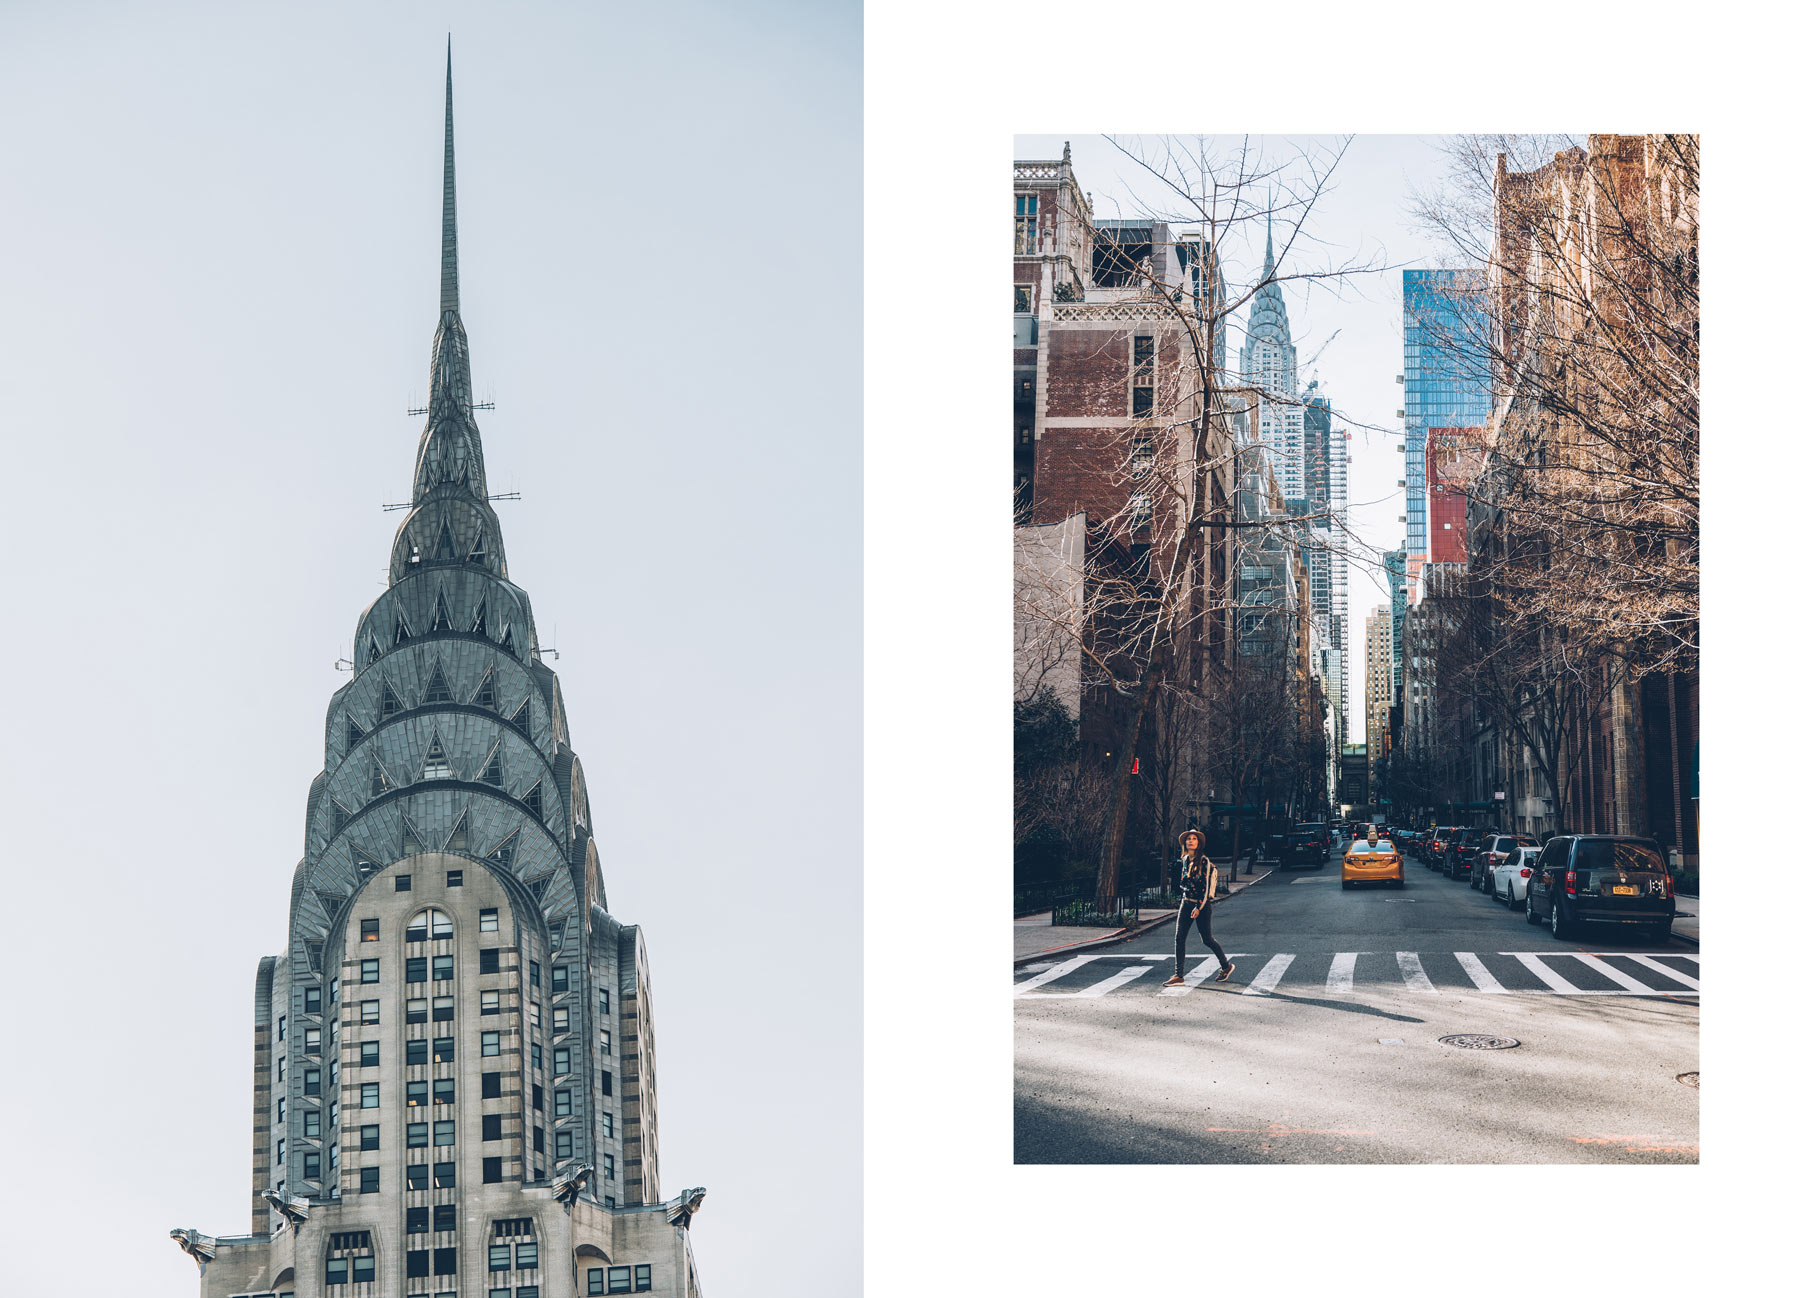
(1531, 916)
(1487, 885)
(1346, 885)
(1512, 902)
(1562, 924)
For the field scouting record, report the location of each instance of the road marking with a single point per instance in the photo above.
(1030, 985)
(1270, 975)
(1343, 972)
(1478, 974)
(1665, 971)
(1551, 979)
(1198, 974)
(1039, 967)
(1413, 972)
(1626, 981)
(1117, 980)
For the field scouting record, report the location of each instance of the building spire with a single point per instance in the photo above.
(448, 297)
(1269, 249)
(450, 450)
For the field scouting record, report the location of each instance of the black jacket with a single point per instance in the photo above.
(1199, 879)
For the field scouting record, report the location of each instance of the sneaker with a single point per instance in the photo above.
(1224, 975)
(1176, 981)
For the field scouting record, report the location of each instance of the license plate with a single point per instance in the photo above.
(1625, 890)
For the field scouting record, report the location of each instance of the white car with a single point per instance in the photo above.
(1510, 876)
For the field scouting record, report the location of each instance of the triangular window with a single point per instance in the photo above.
(374, 649)
(365, 863)
(437, 765)
(534, 800)
(484, 694)
(446, 548)
(538, 886)
(409, 841)
(504, 853)
(459, 837)
(331, 902)
(491, 773)
(390, 702)
(522, 718)
(378, 780)
(480, 627)
(400, 636)
(438, 690)
(440, 620)
(340, 816)
(353, 734)
(479, 554)
(512, 646)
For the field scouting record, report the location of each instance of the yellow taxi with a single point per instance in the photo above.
(1373, 862)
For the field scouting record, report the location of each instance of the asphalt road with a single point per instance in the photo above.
(1324, 1046)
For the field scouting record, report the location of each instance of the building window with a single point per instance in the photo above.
(565, 1103)
(368, 1054)
(429, 924)
(402, 883)
(605, 1082)
(281, 1108)
(618, 1279)
(334, 1115)
(443, 1216)
(444, 1133)
(1021, 299)
(499, 1257)
(371, 973)
(443, 1009)
(443, 1261)
(337, 1270)
(605, 998)
(280, 1152)
(642, 1278)
(1025, 224)
(596, 1280)
(332, 1069)
(371, 1013)
(490, 1044)
(607, 1167)
(415, 969)
(417, 1093)
(371, 1095)
(490, 960)
(280, 1068)
(490, 1171)
(309, 1124)
(371, 1136)
(605, 1035)
(559, 978)
(310, 996)
(369, 1181)
(490, 1126)
(536, 975)
(418, 1221)
(418, 1052)
(536, 1016)
(559, 1059)
(309, 1165)
(525, 1255)
(443, 1175)
(443, 968)
(537, 1055)
(490, 919)
(490, 1086)
(443, 1050)
(537, 1097)
(418, 1263)
(443, 1091)
(418, 1176)
(418, 1010)
(418, 1135)
(371, 930)
(606, 1127)
(453, 878)
(565, 1144)
(537, 1140)
(490, 1002)
(309, 1082)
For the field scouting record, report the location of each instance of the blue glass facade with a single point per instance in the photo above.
(1446, 383)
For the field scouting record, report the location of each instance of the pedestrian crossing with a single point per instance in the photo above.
(1340, 973)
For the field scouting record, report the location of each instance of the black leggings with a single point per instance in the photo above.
(1204, 924)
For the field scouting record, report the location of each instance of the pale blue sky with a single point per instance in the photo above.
(217, 297)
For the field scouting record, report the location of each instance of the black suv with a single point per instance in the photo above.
(1599, 878)
(1459, 855)
(1305, 845)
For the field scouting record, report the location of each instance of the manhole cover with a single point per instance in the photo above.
(1476, 1041)
(1689, 1079)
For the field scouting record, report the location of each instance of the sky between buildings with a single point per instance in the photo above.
(1356, 320)
(220, 282)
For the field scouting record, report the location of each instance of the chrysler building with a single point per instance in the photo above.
(454, 1069)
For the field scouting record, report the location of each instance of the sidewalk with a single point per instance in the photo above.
(1034, 935)
(1687, 919)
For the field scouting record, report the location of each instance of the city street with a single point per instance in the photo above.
(1324, 1046)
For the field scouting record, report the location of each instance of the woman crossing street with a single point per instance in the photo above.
(1199, 877)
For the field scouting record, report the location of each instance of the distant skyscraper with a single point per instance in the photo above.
(454, 1071)
(1395, 563)
(1378, 690)
(1267, 360)
(1327, 495)
(1446, 384)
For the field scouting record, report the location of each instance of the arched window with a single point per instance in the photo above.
(428, 925)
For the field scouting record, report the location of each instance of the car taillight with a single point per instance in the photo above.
(1524, 872)
(1569, 882)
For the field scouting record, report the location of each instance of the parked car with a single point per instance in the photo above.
(1580, 879)
(1440, 842)
(1459, 855)
(1305, 845)
(1511, 875)
(1376, 862)
(1492, 850)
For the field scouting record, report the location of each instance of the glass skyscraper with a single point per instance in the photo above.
(1446, 379)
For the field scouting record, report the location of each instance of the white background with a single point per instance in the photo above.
(949, 88)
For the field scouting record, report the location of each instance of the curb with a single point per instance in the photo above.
(1125, 935)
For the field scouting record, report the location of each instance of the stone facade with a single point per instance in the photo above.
(453, 1069)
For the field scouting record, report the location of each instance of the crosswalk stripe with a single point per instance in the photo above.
(1666, 971)
(1478, 973)
(1553, 980)
(1198, 974)
(1054, 972)
(1343, 972)
(1117, 980)
(1413, 972)
(1626, 981)
(1271, 973)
